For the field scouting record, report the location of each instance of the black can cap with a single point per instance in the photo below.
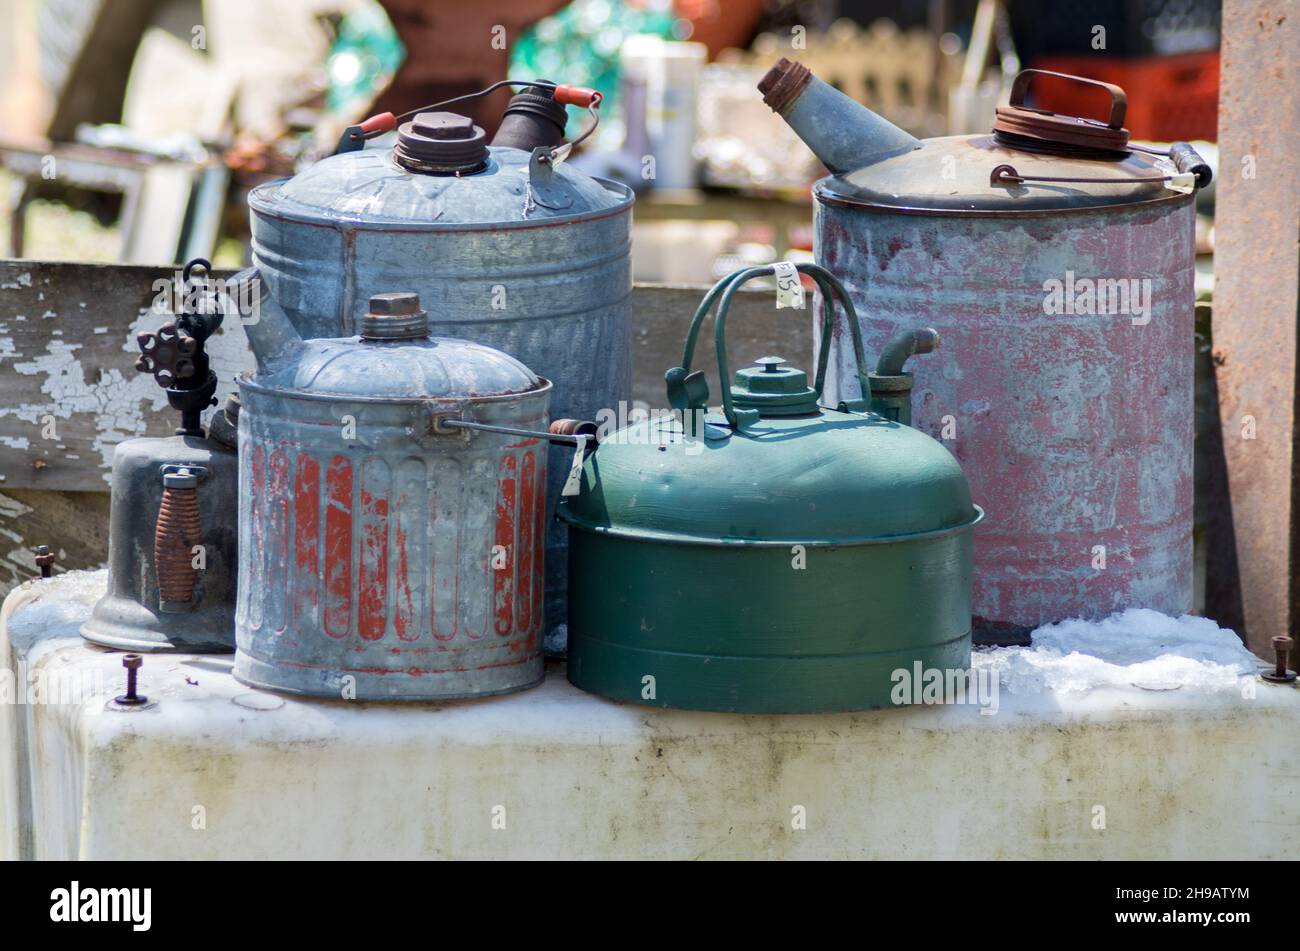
(532, 118)
(539, 101)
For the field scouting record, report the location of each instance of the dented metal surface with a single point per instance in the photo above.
(1075, 430)
(781, 557)
(382, 559)
(1067, 301)
(535, 263)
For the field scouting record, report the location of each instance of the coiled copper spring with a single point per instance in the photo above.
(179, 530)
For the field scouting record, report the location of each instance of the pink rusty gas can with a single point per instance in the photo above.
(1056, 262)
(383, 554)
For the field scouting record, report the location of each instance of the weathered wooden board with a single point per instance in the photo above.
(661, 315)
(69, 392)
(73, 524)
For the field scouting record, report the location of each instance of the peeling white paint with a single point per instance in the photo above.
(12, 508)
(24, 280)
(23, 557)
(121, 405)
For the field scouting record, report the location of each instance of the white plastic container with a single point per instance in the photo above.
(671, 74)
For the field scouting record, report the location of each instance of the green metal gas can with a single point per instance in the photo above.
(779, 557)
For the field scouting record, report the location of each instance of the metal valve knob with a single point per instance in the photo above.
(174, 354)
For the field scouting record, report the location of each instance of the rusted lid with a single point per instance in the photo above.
(1034, 162)
(395, 316)
(782, 83)
(953, 175)
(1021, 126)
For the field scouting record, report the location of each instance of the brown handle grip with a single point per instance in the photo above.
(1118, 98)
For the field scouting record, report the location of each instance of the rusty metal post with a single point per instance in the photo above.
(44, 560)
(1257, 300)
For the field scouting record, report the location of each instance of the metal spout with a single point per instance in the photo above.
(843, 133)
(904, 344)
(891, 385)
(270, 333)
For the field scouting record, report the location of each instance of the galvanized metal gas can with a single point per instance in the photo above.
(383, 555)
(1057, 260)
(782, 557)
(505, 247)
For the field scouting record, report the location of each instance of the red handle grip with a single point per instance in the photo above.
(384, 122)
(577, 96)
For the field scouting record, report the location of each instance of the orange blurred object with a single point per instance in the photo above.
(1170, 98)
(721, 24)
(455, 47)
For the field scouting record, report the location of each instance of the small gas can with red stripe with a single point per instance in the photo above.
(384, 556)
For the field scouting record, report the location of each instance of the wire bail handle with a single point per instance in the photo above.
(688, 391)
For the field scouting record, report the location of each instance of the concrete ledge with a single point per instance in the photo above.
(215, 770)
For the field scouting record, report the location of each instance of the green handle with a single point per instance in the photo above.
(689, 389)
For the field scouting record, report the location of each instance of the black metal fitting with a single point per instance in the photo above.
(532, 118)
(176, 357)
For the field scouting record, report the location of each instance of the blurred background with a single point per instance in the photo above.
(159, 115)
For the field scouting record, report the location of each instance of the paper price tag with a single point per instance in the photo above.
(789, 288)
(573, 484)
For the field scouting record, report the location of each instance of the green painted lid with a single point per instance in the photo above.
(822, 478)
(774, 389)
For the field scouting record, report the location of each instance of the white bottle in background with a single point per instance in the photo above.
(670, 72)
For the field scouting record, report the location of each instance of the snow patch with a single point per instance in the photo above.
(1137, 647)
